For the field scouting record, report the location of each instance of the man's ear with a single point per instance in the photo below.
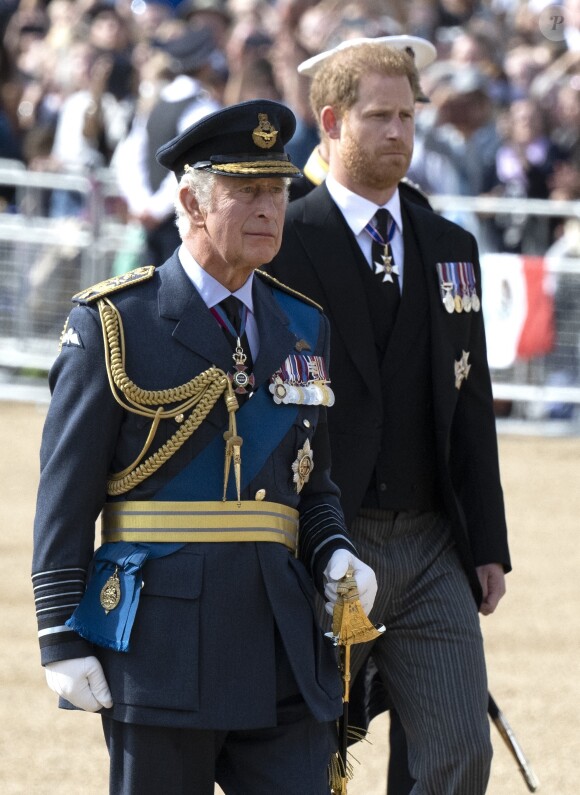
(191, 205)
(330, 121)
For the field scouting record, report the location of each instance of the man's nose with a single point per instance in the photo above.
(266, 204)
(394, 128)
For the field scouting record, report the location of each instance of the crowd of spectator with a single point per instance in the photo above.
(503, 117)
(84, 82)
(78, 77)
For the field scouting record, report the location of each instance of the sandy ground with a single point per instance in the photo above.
(533, 642)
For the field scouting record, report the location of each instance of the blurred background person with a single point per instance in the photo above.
(525, 165)
(147, 188)
(92, 120)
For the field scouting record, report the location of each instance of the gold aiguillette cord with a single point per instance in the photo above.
(233, 444)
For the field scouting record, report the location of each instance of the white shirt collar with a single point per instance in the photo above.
(209, 288)
(358, 211)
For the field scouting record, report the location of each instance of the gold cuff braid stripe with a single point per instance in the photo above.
(200, 394)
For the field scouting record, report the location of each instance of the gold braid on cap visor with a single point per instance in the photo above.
(262, 167)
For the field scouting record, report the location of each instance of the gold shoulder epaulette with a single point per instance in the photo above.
(289, 290)
(114, 284)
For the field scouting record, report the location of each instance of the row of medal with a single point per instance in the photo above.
(458, 286)
(302, 380)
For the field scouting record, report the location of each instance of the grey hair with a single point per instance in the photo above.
(201, 184)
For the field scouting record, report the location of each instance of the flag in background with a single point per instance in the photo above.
(518, 306)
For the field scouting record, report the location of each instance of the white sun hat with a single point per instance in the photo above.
(423, 52)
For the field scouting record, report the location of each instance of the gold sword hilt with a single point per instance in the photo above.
(350, 623)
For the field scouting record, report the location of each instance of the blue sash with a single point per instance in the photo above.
(201, 479)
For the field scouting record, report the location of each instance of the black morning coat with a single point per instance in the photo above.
(318, 258)
(202, 650)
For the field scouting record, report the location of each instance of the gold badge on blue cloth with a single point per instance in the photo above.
(458, 286)
(111, 592)
(462, 369)
(303, 466)
(302, 380)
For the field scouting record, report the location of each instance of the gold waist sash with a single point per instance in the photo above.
(199, 522)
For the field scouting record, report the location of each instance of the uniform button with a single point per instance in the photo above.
(383, 487)
(306, 423)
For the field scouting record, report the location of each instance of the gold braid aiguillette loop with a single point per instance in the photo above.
(200, 394)
(233, 444)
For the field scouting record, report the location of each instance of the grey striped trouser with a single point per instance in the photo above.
(431, 656)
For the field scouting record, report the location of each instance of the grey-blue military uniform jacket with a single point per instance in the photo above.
(202, 648)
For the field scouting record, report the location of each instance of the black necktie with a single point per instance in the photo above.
(233, 309)
(383, 264)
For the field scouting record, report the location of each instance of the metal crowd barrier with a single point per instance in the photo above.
(45, 258)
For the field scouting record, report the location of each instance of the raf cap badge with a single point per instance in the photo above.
(264, 135)
(462, 369)
(303, 466)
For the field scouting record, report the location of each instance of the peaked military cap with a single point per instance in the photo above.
(243, 140)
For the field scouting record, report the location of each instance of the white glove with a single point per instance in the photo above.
(337, 567)
(80, 681)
